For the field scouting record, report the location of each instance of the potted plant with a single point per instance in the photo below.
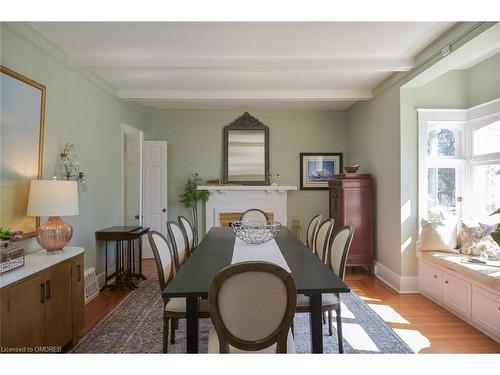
(190, 198)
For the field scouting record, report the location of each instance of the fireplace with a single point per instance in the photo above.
(227, 218)
(228, 202)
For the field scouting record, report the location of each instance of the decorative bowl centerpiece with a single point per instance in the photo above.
(256, 232)
(351, 168)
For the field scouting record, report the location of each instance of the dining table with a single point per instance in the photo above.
(217, 250)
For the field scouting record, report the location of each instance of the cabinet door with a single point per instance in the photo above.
(22, 308)
(429, 279)
(78, 297)
(486, 309)
(457, 294)
(58, 313)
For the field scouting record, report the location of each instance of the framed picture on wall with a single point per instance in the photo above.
(316, 169)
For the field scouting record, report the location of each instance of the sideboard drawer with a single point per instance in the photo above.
(430, 280)
(486, 309)
(456, 294)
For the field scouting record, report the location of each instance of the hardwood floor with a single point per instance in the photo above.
(425, 326)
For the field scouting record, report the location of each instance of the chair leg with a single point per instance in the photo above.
(176, 323)
(166, 322)
(324, 317)
(292, 327)
(339, 330)
(172, 328)
(330, 324)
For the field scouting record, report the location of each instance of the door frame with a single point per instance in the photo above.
(126, 129)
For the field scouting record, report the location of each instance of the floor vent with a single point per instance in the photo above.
(91, 285)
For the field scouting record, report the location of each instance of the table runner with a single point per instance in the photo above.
(268, 252)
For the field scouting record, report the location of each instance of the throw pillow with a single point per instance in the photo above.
(476, 240)
(439, 236)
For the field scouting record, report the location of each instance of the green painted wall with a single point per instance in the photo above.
(373, 134)
(82, 113)
(195, 145)
(483, 81)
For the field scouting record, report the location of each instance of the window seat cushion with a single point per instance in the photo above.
(489, 276)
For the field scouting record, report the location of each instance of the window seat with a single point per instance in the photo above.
(488, 276)
(470, 291)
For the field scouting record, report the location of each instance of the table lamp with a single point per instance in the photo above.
(53, 199)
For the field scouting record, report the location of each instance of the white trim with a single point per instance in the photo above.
(400, 284)
(151, 94)
(221, 188)
(483, 109)
(433, 114)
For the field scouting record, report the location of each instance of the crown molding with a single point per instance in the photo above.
(32, 36)
(40, 41)
(454, 38)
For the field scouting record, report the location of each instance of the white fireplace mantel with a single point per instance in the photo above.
(222, 188)
(239, 198)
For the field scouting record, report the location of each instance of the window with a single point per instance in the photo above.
(487, 139)
(442, 189)
(486, 188)
(459, 161)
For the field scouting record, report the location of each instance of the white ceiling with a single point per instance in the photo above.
(320, 65)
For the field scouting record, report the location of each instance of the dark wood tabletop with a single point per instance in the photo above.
(215, 252)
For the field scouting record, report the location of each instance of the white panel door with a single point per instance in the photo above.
(133, 178)
(457, 294)
(155, 189)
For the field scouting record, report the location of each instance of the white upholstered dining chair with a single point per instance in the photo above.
(173, 308)
(179, 243)
(312, 231)
(254, 214)
(252, 305)
(336, 255)
(323, 239)
(187, 228)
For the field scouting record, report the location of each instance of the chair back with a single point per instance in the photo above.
(339, 250)
(187, 228)
(179, 243)
(252, 305)
(323, 238)
(254, 214)
(312, 230)
(163, 256)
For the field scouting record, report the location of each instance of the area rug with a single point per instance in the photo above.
(135, 326)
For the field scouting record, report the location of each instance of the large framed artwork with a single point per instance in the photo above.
(316, 169)
(22, 113)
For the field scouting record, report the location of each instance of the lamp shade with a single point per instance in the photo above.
(53, 198)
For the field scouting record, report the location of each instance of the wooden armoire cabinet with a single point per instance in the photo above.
(352, 203)
(42, 303)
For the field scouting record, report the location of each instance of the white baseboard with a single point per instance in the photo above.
(401, 284)
(100, 277)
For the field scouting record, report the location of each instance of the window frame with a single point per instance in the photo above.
(468, 121)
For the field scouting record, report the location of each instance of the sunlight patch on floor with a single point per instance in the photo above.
(388, 314)
(358, 338)
(414, 339)
(345, 312)
(369, 299)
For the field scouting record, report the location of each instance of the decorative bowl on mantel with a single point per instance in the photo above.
(256, 232)
(351, 168)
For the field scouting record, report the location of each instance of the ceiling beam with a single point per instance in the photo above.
(303, 95)
(356, 63)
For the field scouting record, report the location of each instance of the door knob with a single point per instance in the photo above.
(164, 210)
(136, 216)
